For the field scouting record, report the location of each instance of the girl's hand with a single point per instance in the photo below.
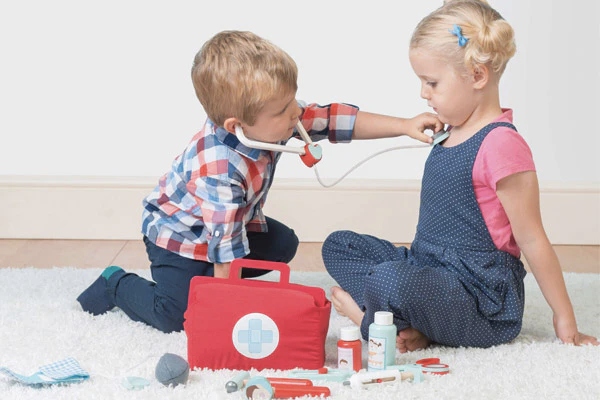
(580, 339)
(567, 332)
(586, 339)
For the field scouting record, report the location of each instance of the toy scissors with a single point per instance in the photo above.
(433, 366)
(423, 366)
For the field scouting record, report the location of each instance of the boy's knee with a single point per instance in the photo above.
(168, 325)
(293, 248)
(290, 247)
(168, 316)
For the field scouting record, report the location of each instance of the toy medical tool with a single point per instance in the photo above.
(240, 380)
(310, 154)
(172, 369)
(259, 388)
(440, 137)
(364, 379)
(323, 374)
(237, 382)
(437, 139)
(433, 366)
(409, 372)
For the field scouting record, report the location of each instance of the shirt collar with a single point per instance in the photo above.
(231, 141)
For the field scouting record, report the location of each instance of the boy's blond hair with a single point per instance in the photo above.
(490, 41)
(235, 73)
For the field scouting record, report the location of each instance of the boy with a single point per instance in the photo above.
(207, 210)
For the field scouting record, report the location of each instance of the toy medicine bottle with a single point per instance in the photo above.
(382, 341)
(350, 349)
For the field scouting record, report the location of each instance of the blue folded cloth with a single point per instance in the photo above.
(60, 372)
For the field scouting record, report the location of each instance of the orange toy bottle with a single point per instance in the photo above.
(350, 349)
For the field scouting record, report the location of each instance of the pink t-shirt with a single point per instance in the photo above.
(503, 152)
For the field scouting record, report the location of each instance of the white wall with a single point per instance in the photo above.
(103, 88)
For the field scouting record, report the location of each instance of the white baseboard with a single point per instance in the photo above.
(67, 207)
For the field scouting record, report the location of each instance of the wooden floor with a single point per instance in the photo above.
(132, 255)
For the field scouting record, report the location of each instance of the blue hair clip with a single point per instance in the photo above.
(457, 31)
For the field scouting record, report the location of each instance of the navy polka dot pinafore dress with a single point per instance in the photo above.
(453, 284)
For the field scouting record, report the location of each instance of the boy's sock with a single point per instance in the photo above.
(108, 271)
(95, 298)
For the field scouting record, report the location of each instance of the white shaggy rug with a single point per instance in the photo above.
(40, 323)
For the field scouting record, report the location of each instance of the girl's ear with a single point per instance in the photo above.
(481, 76)
(230, 124)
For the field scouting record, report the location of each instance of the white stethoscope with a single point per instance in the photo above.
(311, 153)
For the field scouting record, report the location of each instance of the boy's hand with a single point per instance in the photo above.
(417, 126)
(221, 270)
(378, 126)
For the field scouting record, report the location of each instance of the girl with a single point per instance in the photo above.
(461, 281)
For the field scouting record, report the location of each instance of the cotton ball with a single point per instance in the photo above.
(172, 370)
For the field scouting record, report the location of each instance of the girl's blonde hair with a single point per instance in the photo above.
(235, 73)
(490, 39)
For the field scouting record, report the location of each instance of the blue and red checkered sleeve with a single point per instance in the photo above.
(334, 121)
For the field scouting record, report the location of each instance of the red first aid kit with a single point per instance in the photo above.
(239, 323)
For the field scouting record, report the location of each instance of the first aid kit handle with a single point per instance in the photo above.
(239, 263)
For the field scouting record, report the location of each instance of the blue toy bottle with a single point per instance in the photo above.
(382, 342)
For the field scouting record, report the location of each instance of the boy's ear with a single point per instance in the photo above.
(230, 124)
(481, 76)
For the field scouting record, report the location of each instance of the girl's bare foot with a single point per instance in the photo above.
(345, 305)
(410, 339)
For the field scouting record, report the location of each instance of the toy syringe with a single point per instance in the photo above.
(364, 379)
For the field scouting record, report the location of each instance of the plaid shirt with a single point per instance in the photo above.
(214, 193)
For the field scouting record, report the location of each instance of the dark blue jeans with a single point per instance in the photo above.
(162, 302)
